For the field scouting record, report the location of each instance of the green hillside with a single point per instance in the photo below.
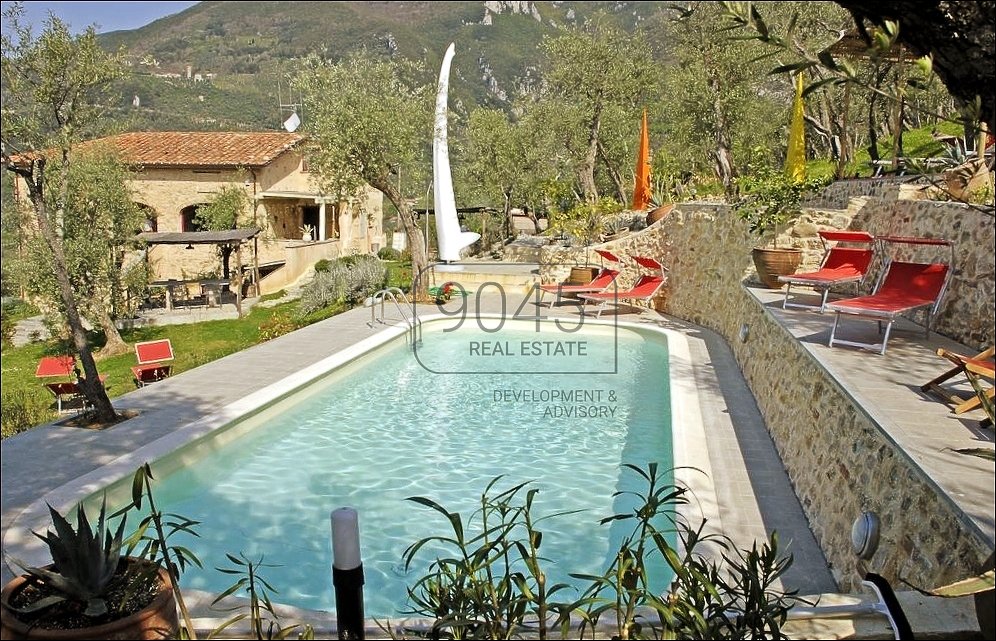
(245, 52)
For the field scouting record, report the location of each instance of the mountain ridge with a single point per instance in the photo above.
(216, 64)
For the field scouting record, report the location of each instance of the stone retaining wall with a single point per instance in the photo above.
(838, 194)
(830, 447)
(967, 310)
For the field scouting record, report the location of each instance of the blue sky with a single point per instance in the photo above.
(107, 16)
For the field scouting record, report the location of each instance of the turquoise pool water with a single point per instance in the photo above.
(384, 428)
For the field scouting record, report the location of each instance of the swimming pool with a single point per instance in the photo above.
(452, 432)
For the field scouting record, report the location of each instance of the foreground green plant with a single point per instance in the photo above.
(264, 622)
(84, 561)
(491, 585)
(771, 199)
(626, 581)
(493, 580)
(153, 536)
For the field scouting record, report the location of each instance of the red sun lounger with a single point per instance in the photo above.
(644, 289)
(64, 367)
(152, 365)
(840, 265)
(599, 283)
(609, 256)
(905, 287)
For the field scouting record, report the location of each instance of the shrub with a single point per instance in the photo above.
(366, 276)
(388, 253)
(327, 288)
(22, 411)
(323, 265)
(772, 199)
(7, 328)
(276, 326)
(348, 280)
(490, 581)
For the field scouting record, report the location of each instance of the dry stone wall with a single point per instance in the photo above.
(837, 195)
(830, 447)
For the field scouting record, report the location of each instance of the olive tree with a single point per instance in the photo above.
(53, 85)
(98, 229)
(955, 37)
(508, 160)
(593, 70)
(958, 36)
(369, 121)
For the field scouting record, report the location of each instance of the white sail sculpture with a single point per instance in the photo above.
(448, 235)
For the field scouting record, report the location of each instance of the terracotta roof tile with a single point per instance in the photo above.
(201, 148)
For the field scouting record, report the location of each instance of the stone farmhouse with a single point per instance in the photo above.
(177, 171)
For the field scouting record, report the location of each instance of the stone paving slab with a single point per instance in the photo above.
(752, 492)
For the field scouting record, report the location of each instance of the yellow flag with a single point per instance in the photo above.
(795, 161)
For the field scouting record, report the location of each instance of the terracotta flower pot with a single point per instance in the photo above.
(158, 620)
(582, 275)
(660, 212)
(772, 263)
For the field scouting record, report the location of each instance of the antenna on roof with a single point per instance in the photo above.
(292, 121)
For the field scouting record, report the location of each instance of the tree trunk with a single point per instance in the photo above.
(613, 174)
(586, 173)
(416, 240)
(844, 159)
(508, 214)
(114, 344)
(90, 384)
(878, 76)
(226, 254)
(722, 155)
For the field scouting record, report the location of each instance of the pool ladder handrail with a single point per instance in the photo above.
(414, 323)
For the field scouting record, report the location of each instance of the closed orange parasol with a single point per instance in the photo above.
(641, 192)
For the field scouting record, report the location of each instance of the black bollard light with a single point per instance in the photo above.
(347, 573)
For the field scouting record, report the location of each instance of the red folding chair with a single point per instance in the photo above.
(645, 288)
(904, 287)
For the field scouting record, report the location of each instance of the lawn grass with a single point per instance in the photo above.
(26, 402)
(917, 143)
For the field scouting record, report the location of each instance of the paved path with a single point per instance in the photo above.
(29, 330)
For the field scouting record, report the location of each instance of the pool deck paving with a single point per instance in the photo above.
(752, 491)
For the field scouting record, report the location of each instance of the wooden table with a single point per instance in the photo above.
(211, 288)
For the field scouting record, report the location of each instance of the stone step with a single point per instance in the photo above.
(511, 277)
(525, 249)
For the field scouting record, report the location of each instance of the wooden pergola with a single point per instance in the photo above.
(229, 237)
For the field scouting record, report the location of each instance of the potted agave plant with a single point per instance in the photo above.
(90, 590)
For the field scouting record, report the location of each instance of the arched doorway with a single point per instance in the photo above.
(151, 218)
(188, 219)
